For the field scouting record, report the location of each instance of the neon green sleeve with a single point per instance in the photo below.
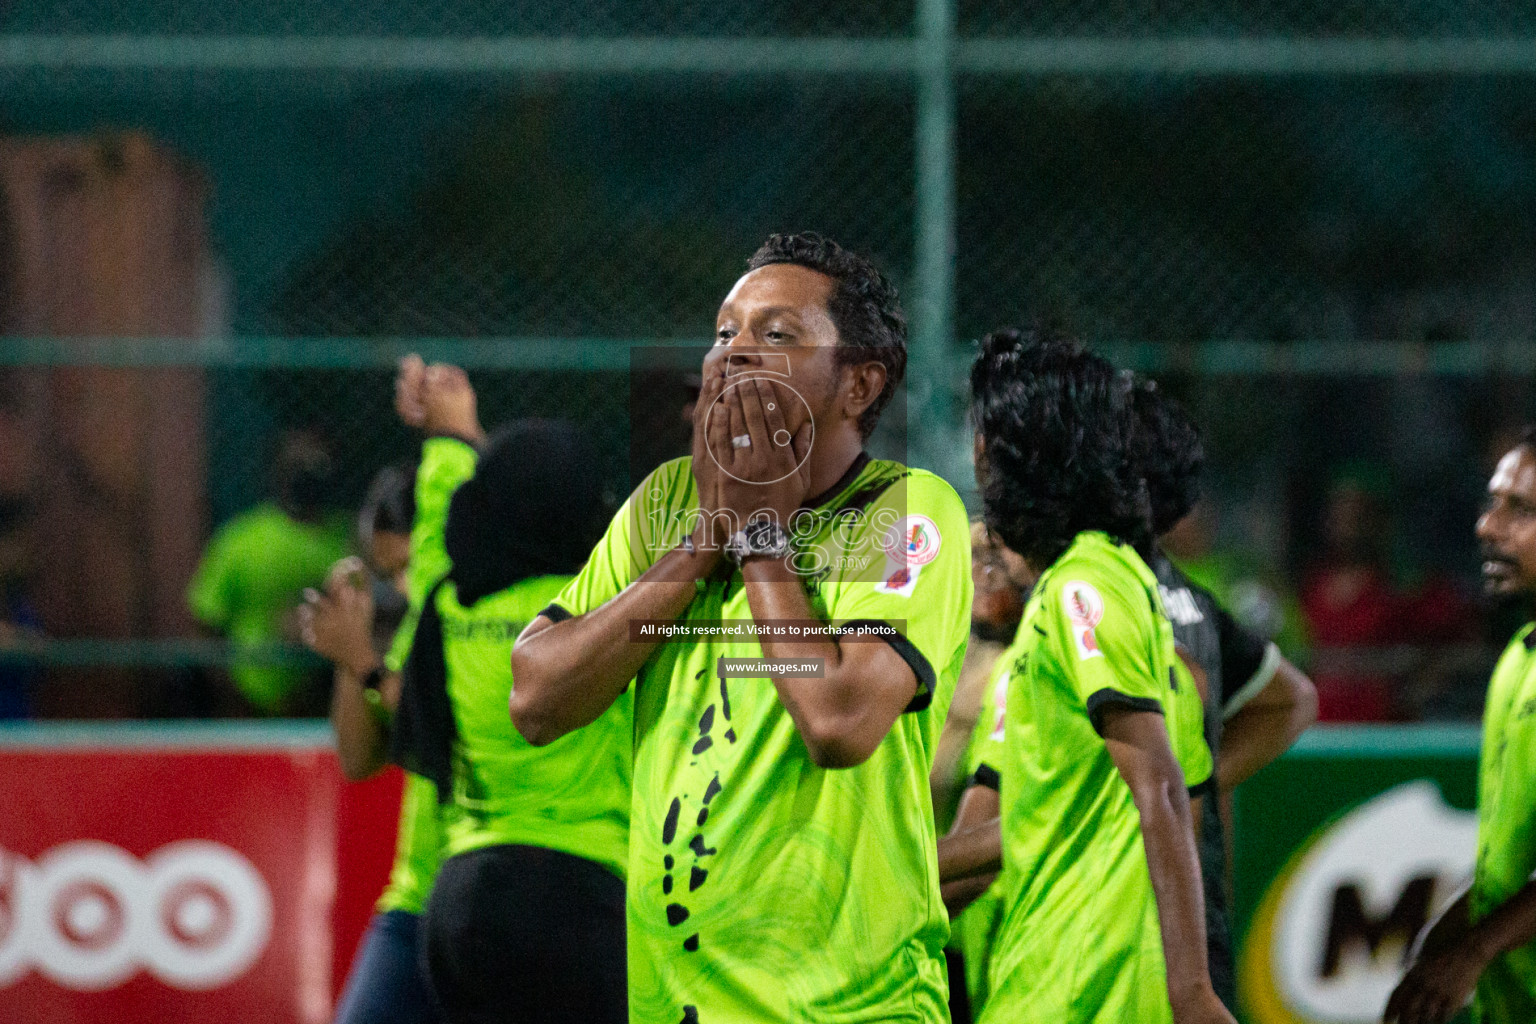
(921, 540)
(446, 462)
(987, 739)
(208, 594)
(1099, 618)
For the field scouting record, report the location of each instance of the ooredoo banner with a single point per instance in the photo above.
(155, 875)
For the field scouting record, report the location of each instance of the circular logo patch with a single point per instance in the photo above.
(1083, 604)
(914, 540)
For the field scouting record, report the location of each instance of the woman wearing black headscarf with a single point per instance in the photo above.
(526, 920)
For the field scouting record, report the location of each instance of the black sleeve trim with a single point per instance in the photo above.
(1206, 788)
(1107, 697)
(986, 776)
(554, 613)
(914, 658)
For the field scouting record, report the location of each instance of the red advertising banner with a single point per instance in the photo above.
(157, 874)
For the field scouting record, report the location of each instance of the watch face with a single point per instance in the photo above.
(760, 537)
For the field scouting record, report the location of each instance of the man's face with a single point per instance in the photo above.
(1000, 578)
(775, 319)
(1507, 529)
(390, 553)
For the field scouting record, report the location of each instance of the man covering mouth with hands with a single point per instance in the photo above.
(781, 861)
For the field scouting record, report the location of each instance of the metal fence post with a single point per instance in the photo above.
(932, 410)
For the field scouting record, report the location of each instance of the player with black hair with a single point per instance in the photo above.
(782, 841)
(1256, 702)
(1103, 913)
(862, 306)
(1483, 945)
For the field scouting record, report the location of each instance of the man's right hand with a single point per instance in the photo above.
(338, 624)
(448, 404)
(706, 471)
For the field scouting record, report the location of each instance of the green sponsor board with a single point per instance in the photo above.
(1342, 850)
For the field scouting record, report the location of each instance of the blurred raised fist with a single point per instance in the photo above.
(448, 403)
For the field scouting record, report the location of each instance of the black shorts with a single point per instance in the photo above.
(528, 935)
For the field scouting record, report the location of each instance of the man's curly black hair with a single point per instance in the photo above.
(1169, 452)
(864, 307)
(1056, 427)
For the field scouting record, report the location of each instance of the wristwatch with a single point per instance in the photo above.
(374, 677)
(759, 537)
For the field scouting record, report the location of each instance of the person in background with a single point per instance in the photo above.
(1484, 944)
(387, 984)
(19, 621)
(1353, 610)
(1103, 917)
(1002, 583)
(256, 568)
(526, 918)
(1256, 703)
(995, 611)
(384, 537)
(1253, 592)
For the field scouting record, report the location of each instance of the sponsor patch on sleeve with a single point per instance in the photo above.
(1000, 699)
(913, 541)
(1085, 610)
(899, 579)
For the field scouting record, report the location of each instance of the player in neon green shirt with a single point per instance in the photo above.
(968, 871)
(386, 982)
(1103, 916)
(525, 920)
(257, 565)
(781, 860)
(1484, 945)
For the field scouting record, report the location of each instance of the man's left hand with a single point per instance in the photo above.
(1435, 987)
(765, 465)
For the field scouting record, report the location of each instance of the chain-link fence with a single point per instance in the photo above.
(1232, 194)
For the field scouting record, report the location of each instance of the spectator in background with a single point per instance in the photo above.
(1240, 582)
(1352, 609)
(255, 569)
(1369, 630)
(384, 538)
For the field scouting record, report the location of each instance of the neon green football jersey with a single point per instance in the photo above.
(762, 887)
(418, 848)
(1506, 827)
(571, 795)
(1080, 939)
(251, 576)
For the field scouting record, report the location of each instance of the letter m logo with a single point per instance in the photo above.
(1350, 924)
